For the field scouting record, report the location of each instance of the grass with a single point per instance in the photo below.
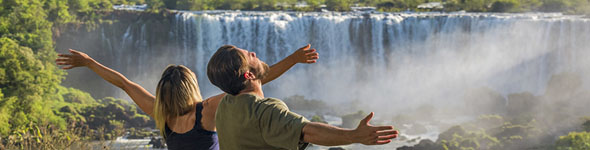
(50, 137)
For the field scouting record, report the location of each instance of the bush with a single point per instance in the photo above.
(555, 5)
(338, 5)
(574, 141)
(586, 125)
(505, 6)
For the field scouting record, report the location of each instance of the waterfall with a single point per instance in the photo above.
(384, 60)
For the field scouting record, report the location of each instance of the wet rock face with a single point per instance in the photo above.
(521, 104)
(455, 130)
(423, 145)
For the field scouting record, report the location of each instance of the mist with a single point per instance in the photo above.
(437, 68)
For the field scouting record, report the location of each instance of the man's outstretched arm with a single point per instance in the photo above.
(328, 135)
(302, 55)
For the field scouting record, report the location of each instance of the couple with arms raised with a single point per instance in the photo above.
(242, 117)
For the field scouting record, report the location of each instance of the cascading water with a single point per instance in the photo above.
(401, 59)
(388, 62)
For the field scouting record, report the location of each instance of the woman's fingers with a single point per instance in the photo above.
(62, 59)
(74, 51)
(64, 55)
(68, 67)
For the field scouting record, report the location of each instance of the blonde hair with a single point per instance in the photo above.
(176, 95)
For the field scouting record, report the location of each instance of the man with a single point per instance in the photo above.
(245, 119)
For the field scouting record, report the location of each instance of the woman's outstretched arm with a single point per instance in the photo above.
(140, 96)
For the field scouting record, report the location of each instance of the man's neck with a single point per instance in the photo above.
(254, 87)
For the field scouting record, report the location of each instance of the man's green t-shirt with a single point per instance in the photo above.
(247, 122)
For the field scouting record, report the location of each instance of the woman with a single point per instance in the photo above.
(184, 119)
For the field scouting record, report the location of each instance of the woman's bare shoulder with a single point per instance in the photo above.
(213, 101)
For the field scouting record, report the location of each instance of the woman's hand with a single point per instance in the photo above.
(74, 59)
(305, 55)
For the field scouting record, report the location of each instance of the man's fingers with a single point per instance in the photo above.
(306, 47)
(380, 128)
(310, 61)
(307, 51)
(313, 57)
(312, 54)
(381, 142)
(387, 132)
(387, 137)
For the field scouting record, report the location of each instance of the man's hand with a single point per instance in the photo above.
(74, 59)
(372, 135)
(305, 55)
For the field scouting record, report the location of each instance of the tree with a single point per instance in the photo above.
(555, 5)
(25, 81)
(505, 6)
(338, 5)
(155, 5)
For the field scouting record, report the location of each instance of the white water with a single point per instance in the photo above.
(389, 62)
(383, 59)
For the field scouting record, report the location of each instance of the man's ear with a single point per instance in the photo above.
(249, 75)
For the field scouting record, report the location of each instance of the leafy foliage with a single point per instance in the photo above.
(488, 132)
(573, 141)
(111, 113)
(504, 6)
(31, 96)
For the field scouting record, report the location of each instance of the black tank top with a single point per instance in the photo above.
(196, 139)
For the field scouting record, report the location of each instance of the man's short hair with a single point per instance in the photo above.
(226, 69)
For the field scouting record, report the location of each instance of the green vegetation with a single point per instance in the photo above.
(35, 108)
(586, 125)
(574, 141)
(36, 112)
(527, 121)
(497, 133)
